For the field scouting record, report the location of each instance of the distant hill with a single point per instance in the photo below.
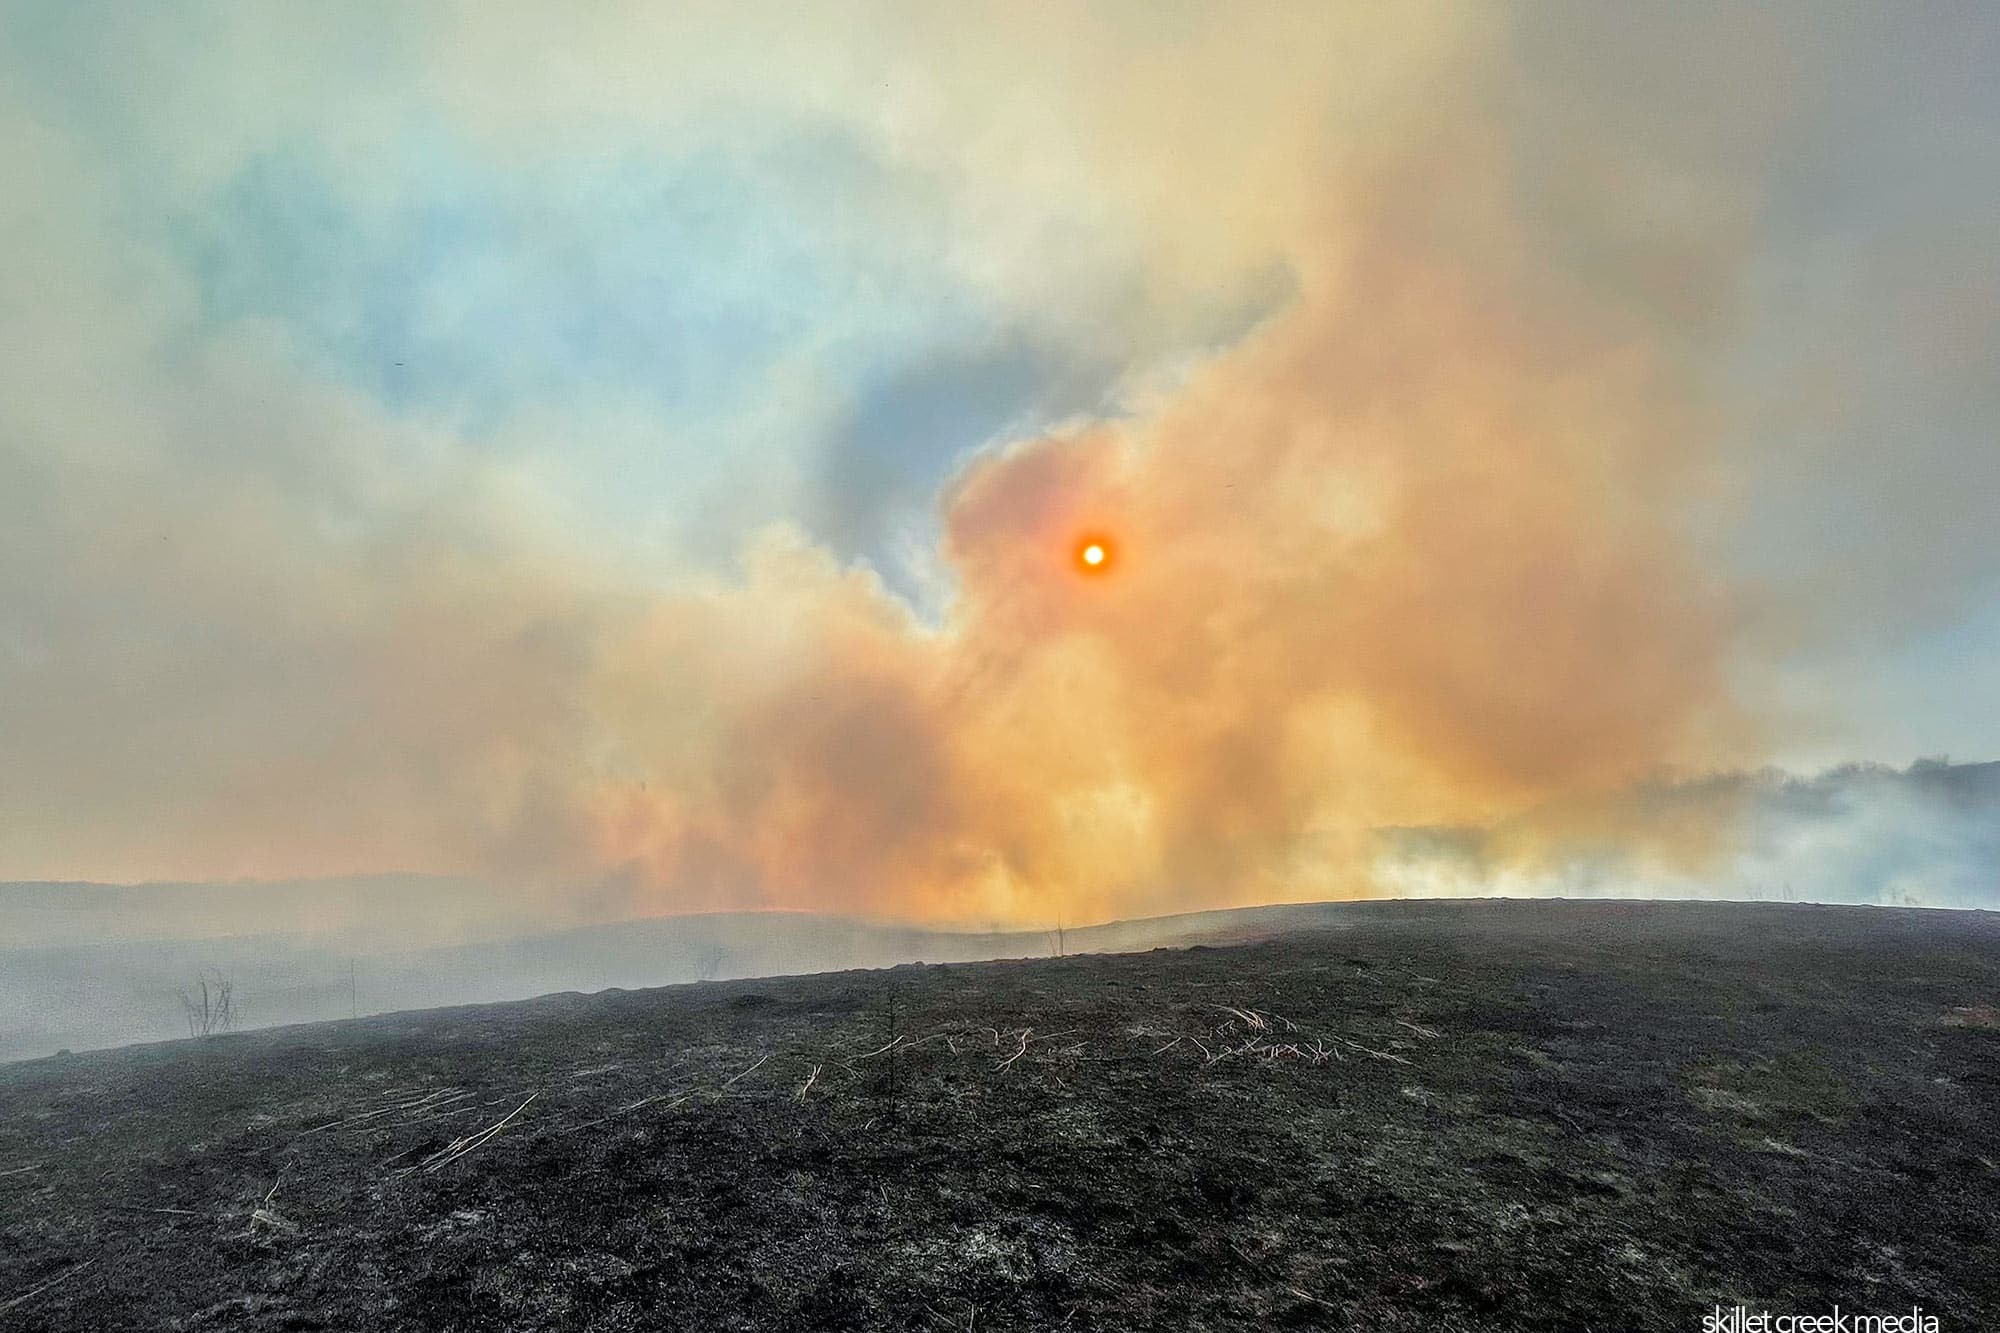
(80, 994)
(85, 965)
(409, 908)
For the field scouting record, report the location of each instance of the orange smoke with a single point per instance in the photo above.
(1411, 557)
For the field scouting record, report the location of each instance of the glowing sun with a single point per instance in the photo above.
(1094, 554)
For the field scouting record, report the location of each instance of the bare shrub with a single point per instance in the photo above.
(209, 1006)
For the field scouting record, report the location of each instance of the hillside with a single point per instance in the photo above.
(85, 993)
(1520, 1115)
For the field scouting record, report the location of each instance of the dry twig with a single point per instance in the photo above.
(746, 1073)
(446, 1156)
(430, 1102)
(1370, 1050)
(1017, 1054)
(33, 1292)
(623, 1110)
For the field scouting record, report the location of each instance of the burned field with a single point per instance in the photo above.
(1453, 1116)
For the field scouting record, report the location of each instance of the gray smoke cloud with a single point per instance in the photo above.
(1923, 836)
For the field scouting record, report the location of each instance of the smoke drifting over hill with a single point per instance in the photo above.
(88, 965)
(1928, 836)
(551, 507)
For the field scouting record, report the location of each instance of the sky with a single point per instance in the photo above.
(638, 455)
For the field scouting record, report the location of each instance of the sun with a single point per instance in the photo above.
(1094, 554)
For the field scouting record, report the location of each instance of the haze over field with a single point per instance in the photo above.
(635, 460)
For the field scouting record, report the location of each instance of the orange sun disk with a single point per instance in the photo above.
(1094, 554)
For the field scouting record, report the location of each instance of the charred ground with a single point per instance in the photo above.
(1422, 1116)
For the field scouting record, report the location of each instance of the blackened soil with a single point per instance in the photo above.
(1427, 1116)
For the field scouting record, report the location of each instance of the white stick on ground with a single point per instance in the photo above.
(272, 1192)
(1017, 1054)
(33, 1292)
(428, 1103)
(894, 1042)
(747, 1073)
(624, 1110)
(1251, 1018)
(1370, 1050)
(465, 1145)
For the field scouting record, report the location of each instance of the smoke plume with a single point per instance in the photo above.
(1403, 375)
